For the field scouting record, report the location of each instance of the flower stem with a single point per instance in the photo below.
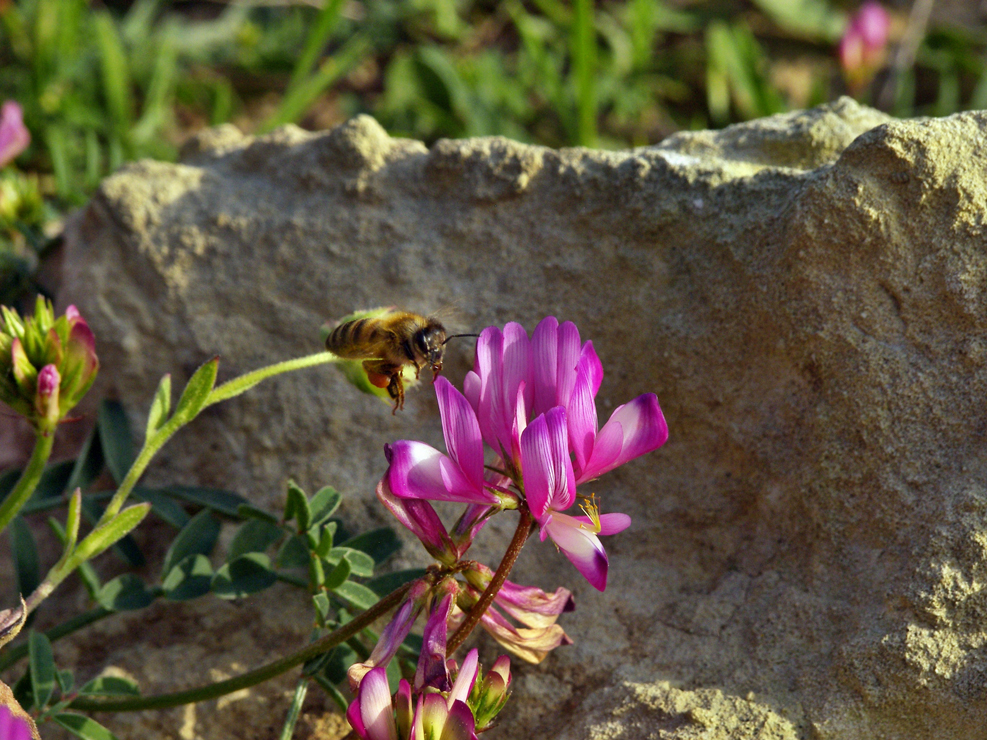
(28, 480)
(503, 570)
(264, 673)
(238, 385)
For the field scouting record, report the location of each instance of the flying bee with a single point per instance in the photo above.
(389, 341)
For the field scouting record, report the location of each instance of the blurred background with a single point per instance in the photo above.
(90, 85)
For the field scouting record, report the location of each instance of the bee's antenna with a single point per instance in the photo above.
(460, 335)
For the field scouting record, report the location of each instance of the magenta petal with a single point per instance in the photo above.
(461, 431)
(516, 365)
(549, 483)
(420, 471)
(460, 723)
(568, 362)
(544, 364)
(13, 727)
(582, 547)
(613, 523)
(375, 706)
(465, 679)
(581, 421)
(632, 430)
(590, 363)
(420, 518)
(432, 670)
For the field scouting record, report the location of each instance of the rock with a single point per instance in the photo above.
(805, 294)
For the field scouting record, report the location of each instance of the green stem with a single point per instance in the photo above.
(28, 480)
(238, 385)
(503, 570)
(264, 673)
(227, 390)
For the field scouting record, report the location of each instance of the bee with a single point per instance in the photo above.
(388, 342)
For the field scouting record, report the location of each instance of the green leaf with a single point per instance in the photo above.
(337, 576)
(324, 504)
(126, 547)
(89, 464)
(25, 553)
(42, 668)
(254, 535)
(358, 595)
(125, 593)
(110, 532)
(223, 502)
(322, 606)
(293, 554)
(198, 537)
(163, 505)
(324, 538)
(115, 439)
(316, 573)
(246, 575)
(66, 680)
(196, 392)
(160, 406)
(110, 686)
(89, 579)
(383, 585)
(248, 511)
(340, 659)
(380, 544)
(297, 507)
(84, 727)
(360, 563)
(188, 579)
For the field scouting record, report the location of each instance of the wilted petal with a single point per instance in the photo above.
(633, 429)
(392, 636)
(531, 645)
(548, 478)
(579, 543)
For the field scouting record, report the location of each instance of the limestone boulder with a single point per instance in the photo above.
(807, 295)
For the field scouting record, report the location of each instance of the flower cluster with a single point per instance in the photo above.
(532, 402)
(446, 702)
(46, 364)
(522, 434)
(863, 47)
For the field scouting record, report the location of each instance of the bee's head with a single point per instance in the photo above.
(428, 343)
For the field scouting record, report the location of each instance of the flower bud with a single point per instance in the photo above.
(491, 694)
(46, 400)
(46, 364)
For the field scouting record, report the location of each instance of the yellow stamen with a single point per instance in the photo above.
(592, 511)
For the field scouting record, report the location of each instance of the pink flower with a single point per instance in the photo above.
(864, 44)
(550, 489)
(515, 379)
(14, 137)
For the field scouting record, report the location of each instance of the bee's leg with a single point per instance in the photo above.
(396, 389)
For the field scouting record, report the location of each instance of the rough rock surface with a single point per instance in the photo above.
(807, 295)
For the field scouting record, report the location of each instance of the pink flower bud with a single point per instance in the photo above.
(46, 402)
(14, 137)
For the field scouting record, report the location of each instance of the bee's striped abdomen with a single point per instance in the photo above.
(354, 339)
